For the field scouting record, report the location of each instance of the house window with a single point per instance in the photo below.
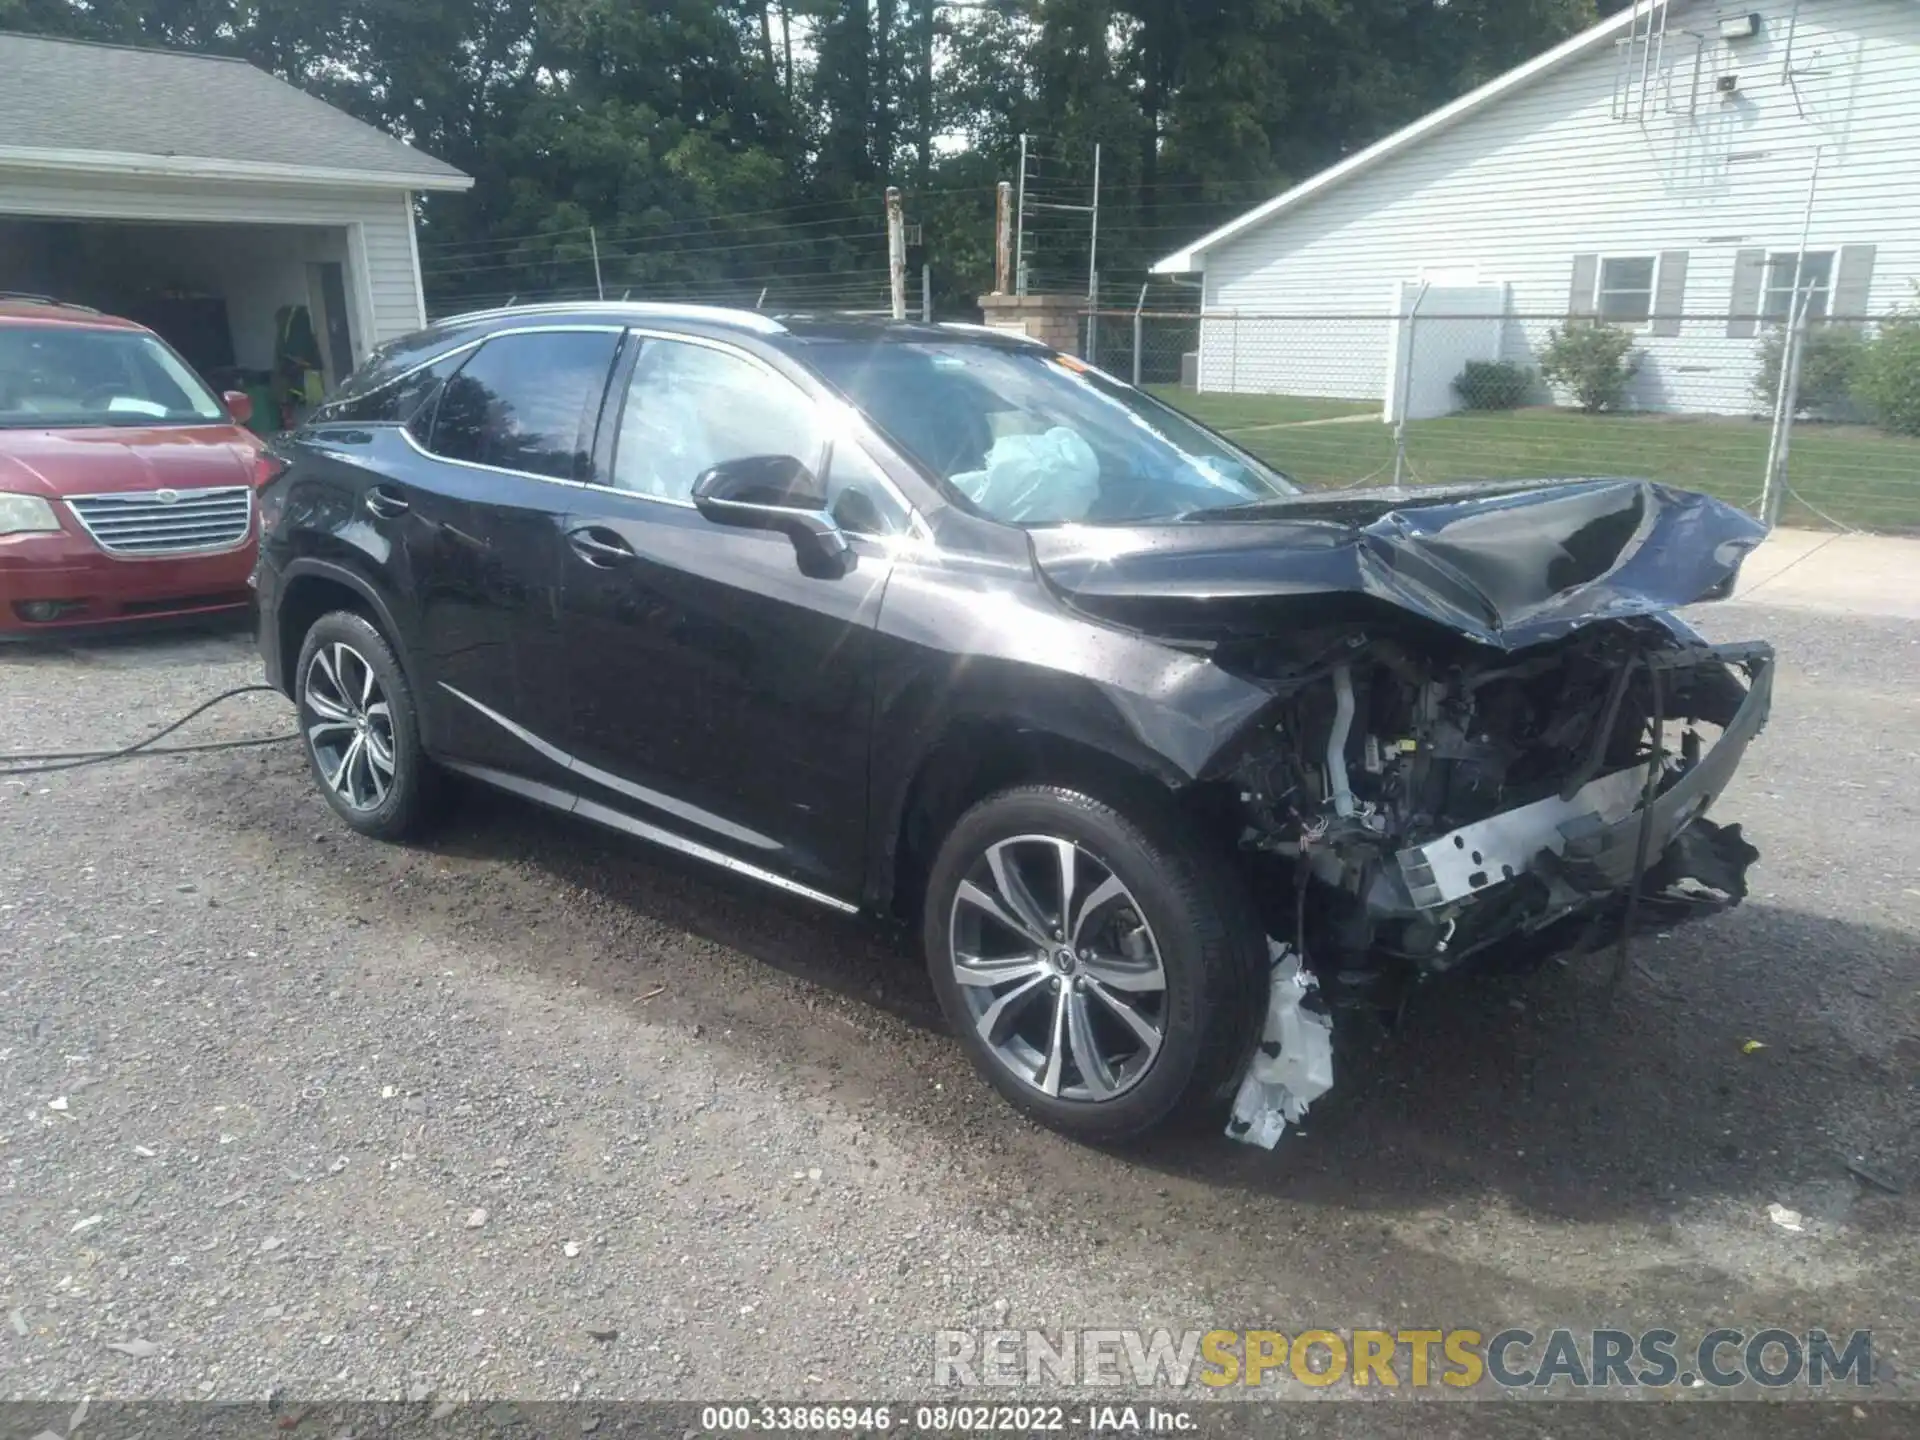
(1816, 275)
(1625, 293)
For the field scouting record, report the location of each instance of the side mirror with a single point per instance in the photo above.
(239, 405)
(777, 492)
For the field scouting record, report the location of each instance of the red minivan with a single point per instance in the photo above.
(126, 485)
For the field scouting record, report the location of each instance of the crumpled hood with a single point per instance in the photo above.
(1506, 565)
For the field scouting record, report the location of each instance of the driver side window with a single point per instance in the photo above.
(689, 407)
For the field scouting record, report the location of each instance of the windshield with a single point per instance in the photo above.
(62, 375)
(1035, 438)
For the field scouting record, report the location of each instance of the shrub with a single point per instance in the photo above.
(1829, 365)
(1493, 385)
(1593, 361)
(1888, 377)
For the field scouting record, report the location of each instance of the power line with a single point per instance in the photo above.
(687, 232)
(608, 253)
(651, 229)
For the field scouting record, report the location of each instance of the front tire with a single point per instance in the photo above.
(360, 728)
(1102, 969)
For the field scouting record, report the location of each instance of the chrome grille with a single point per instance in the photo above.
(140, 522)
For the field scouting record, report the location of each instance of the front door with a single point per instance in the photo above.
(717, 692)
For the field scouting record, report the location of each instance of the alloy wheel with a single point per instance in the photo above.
(349, 726)
(1058, 968)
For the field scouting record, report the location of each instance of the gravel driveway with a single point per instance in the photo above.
(532, 1111)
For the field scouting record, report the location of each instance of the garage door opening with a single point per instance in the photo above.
(259, 308)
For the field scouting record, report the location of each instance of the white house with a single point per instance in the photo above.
(1654, 170)
(202, 196)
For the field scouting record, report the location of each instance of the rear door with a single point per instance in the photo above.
(503, 446)
(715, 691)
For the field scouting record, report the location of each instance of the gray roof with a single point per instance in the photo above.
(81, 99)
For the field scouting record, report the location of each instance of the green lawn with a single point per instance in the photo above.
(1228, 412)
(1854, 474)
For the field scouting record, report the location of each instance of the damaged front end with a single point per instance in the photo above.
(1490, 741)
(1424, 812)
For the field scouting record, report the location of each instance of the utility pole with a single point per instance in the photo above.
(1020, 224)
(923, 173)
(593, 239)
(1093, 266)
(1093, 236)
(896, 254)
(1786, 395)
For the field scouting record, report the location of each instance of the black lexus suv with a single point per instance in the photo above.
(1170, 763)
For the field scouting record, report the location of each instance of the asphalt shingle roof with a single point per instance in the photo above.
(70, 95)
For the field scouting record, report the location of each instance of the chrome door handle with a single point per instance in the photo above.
(602, 553)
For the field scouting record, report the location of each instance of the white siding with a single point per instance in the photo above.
(370, 231)
(1513, 192)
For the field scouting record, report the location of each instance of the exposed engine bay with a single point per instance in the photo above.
(1430, 808)
(1417, 811)
(1433, 807)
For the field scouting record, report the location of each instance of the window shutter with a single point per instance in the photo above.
(1586, 275)
(1670, 292)
(1749, 279)
(1853, 286)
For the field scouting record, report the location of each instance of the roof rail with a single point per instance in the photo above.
(997, 331)
(34, 299)
(638, 309)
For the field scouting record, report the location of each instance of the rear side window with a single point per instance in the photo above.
(397, 402)
(526, 402)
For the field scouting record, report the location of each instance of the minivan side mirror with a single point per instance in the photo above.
(777, 492)
(239, 405)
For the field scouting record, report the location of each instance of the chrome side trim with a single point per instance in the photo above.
(614, 819)
(918, 528)
(419, 449)
(917, 524)
(319, 416)
(706, 819)
(528, 789)
(591, 810)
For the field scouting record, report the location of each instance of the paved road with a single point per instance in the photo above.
(533, 1112)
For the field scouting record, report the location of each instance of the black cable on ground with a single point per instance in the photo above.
(75, 759)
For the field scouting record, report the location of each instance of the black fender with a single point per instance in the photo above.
(308, 567)
(1055, 724)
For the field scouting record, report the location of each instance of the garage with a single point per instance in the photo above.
(265, 234)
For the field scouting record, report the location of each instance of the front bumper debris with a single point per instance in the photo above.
(1292, 1066)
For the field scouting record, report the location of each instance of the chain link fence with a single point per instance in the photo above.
(1824, 431)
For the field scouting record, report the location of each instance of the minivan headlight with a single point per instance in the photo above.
(20, 514)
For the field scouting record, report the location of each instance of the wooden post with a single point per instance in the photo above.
(896, 254)
(1003, 238)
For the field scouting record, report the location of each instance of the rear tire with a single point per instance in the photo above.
(360, 729)
(1104, 970)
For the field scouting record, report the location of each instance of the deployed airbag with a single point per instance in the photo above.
(1034, 479)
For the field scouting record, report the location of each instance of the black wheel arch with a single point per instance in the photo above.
(976, 756)
(310, 588)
